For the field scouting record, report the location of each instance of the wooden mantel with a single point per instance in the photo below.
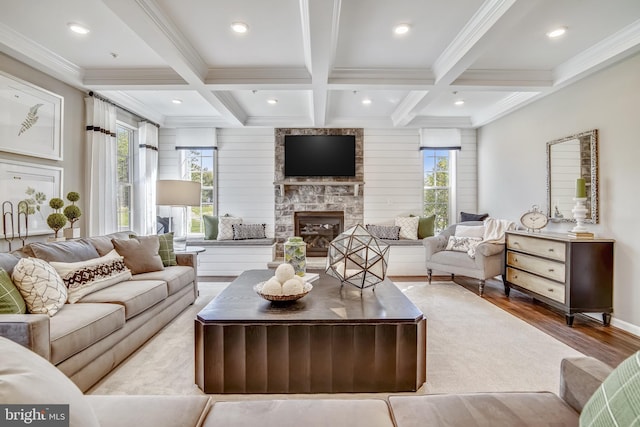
(355, 184)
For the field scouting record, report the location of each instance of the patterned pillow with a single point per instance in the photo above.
(40, 285)
(462, 244)
(166, 251)
(85, 277)
(225, 227)
(11, 302)
(408, 227)
(617, 401)
(248, 231)
(389, 232)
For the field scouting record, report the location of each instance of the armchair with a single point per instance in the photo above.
(488, 261)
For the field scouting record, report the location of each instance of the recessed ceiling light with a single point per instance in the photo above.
(459, 102)
(78, 28)
(557, 32)
(366, 101)
(401, 28)
(239, 27)
(177, 101)
(272, 101)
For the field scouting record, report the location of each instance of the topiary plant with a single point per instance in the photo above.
(56, 220)
(72, 212)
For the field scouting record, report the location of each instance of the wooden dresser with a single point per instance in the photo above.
(573, 275)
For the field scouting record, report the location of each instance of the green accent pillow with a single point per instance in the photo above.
(11, 302)
(166, 252)
(210, 227)
(426, 226)
(617, 401)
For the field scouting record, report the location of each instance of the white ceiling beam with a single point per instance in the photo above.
(149, 22)
(503, 107)
(441, 122)
(505, 78)
(129, 78)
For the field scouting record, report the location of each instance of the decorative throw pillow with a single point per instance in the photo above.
(249, 231)
(462, 244)
(464, 217)
(163, 224)
(11, 302)
(84, 277)
(40, 285)
(28, 379)
(140, 253)
(426, 226)
(64, 251)
(389, 232)
(408, 227)
(225, 227)
(470, 231)
(8, 261)
(166, 252)
(210, 227)
(617, 401)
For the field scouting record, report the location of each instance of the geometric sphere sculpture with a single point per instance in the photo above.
(357, 258)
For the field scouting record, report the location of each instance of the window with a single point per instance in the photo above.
(125, 138)
(439, 181)
(199, 166)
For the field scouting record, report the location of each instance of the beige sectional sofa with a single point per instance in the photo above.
(86, 340)
(26, 378)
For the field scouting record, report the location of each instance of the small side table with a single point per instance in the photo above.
(191, 250)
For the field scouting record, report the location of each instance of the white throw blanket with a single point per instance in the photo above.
(494, 229)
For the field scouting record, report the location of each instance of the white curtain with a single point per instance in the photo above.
(102, 167)
(147, 177)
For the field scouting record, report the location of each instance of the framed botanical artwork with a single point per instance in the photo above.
(37, 185)
(30, 119)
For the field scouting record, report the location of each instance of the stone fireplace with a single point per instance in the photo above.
(316, 194)
(318, 229)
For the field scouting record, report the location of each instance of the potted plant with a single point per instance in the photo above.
(72, 213)
(56, 220)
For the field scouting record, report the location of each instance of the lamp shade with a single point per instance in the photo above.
(171, 192)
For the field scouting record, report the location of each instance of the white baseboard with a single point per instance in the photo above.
(626, 326)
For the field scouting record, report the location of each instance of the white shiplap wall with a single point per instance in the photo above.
(392, 174)
(467, 174)
(168, 157)
(246, 159)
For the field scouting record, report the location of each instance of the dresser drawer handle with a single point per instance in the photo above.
(551, 270)
(550, 249)
(550, 289)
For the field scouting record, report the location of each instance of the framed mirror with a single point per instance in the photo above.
(568, 159)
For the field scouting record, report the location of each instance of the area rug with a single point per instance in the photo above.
(472, 346)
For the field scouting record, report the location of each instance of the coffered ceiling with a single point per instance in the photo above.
(318, 60)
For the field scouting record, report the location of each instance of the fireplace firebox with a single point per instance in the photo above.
(318, 229)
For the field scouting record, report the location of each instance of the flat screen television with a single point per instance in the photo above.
(319, 155)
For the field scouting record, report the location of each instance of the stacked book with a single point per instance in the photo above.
(581, 234)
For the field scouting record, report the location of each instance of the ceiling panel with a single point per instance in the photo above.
(366, 37)
(274, 37)
(45, 22)
(474, 103)
(291, 103)
(193, 104)
(343, 103)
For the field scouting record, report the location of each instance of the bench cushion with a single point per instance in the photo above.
(135, 295)
(222, 243)
(77, 326)
(177, 277)
(483, 409)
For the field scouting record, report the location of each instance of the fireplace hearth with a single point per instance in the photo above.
(318, 229)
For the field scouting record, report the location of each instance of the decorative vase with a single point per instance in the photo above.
(71, 233)
(295, 253)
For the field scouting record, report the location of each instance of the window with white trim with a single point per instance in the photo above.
(439, 183)
(125, 137)
(199, 165)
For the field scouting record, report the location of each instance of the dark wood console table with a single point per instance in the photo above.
(334, 339)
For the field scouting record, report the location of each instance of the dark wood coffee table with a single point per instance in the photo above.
(334, 339)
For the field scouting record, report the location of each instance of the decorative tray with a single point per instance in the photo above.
(305, 290)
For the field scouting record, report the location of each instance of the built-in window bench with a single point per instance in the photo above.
(232, 257)
(406, 258)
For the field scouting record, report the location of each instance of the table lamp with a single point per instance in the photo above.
(178, 193)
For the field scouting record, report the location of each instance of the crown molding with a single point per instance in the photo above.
(441, 122)
(196, 122)
(143, 78)
(39, 57)
(382, 76)
(279, 121)
(237, 76)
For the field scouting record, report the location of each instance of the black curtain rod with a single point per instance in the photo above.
(102, 98)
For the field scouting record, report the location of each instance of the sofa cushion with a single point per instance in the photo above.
(40, 285)
(65, 251)
(27, 378)
(135, 295)
(11, 302)
(617, 401)
(166, 252)
(177, 277)
(77, 326)
(8, 261)
(103, 243)
(483, 409)
(296, 412)
(149, 411)
(459, 259)
(82, 278)
(140, 253)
